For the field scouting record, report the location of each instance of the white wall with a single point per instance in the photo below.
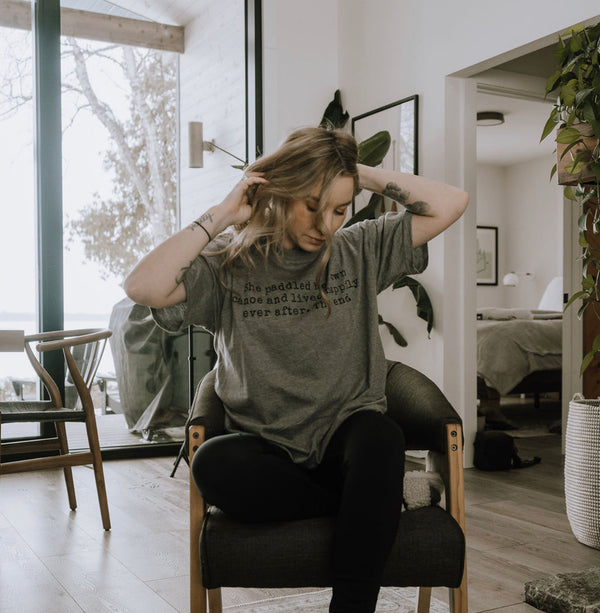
(528, 211)
(212, 90)
(534, 230)
(492, 210)
(300, 64)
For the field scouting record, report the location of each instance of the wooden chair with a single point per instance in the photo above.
(82, 351)
(430, 545)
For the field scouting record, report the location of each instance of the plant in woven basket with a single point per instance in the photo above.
(576, 118)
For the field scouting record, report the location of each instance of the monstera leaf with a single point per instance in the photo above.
(393, 331)
(424, 306)
(372, 151)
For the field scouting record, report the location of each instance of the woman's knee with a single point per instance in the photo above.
(375, 435)
(217, 465)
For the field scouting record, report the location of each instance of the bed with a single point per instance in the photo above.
(518, 351)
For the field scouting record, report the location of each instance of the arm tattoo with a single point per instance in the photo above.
(179, 277)
(198, 222)
(395, 192)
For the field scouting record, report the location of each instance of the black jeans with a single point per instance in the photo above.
(359, 480)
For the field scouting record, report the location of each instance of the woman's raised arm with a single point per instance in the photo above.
(434, 204)
(157, 280)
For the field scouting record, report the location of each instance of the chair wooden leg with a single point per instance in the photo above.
(455, 503)
(198, 598)
(458, 597)
(423, 599)
(61, 433)
(92, 433)
(198, 593)
(215, 604)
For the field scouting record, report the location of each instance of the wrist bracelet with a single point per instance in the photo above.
(197, 223)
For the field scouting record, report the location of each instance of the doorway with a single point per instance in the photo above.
(465, 90)
(519, 301)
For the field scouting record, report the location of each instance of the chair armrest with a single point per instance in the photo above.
(207, 409)
(419, 407)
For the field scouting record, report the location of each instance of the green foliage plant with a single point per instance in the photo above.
(575, 118)
(371, 153)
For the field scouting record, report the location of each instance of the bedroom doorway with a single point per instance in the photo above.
(519, 292)
(462, 100)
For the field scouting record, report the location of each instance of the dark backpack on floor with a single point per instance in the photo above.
(496, 450)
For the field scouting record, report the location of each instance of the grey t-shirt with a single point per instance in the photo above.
(285, 370)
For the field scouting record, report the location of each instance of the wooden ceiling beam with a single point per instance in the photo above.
(97, 26)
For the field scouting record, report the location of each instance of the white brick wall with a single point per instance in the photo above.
(212, 90)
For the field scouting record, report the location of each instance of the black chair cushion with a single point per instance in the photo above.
(429, 551)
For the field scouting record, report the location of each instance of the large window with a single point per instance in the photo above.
(17, 228)
(114, 187)
(119, 193)
(119, 108)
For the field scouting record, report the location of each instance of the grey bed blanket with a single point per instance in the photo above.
(509, 350)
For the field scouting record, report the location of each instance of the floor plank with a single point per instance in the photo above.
(27, 586)
(99, 582)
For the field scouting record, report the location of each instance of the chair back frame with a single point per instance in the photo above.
(51, 341)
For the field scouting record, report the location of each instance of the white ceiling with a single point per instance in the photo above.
(518, 138)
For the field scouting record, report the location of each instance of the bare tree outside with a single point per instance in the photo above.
(124, 200)
(116, 230)
(141, 212)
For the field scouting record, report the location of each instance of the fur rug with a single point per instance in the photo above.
(391, 599)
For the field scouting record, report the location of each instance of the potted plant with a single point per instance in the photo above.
(576, 118)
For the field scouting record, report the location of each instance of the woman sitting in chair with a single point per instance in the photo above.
(292, 302)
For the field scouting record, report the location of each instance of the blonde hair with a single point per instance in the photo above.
(309, 157)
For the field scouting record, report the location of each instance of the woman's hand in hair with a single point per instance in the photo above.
(237, 205)
(157, 280)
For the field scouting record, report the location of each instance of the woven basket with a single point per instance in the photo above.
(582, 470)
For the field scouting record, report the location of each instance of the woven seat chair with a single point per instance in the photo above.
(430, 545)
(82, 350)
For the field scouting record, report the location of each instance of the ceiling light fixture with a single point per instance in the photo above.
(490, 118)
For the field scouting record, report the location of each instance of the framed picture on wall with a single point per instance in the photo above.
(401, 120)
(487, 255)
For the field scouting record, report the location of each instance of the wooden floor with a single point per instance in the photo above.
(56, 561)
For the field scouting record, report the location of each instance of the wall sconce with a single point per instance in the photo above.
(490, 118)
(197, 146)
(512, 278)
